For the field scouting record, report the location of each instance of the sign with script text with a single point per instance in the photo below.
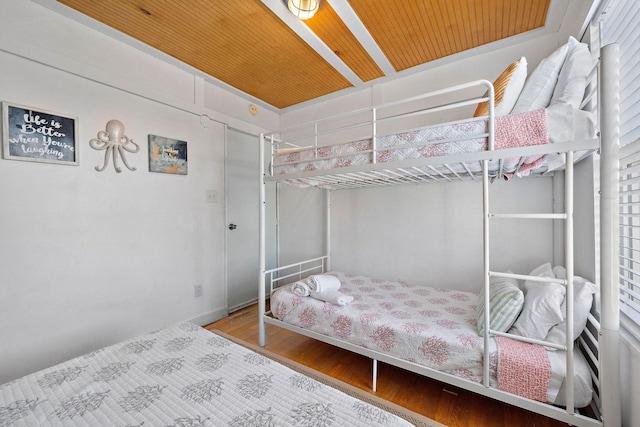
(38, 135)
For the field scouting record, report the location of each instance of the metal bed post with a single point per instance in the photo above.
(609, 235)
(375, 375)
(328, 228)
(485, 269)
(569, 255)
(374, 135)
(315, 140)
(486, 214)
(262, 338)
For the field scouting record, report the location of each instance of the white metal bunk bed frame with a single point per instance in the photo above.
(599, 342)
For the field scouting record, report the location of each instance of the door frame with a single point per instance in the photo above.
(271, 221)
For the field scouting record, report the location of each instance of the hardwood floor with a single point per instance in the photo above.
(441, 402)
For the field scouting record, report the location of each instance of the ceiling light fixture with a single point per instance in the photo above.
(303, 9)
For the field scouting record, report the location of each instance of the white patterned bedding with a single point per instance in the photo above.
(515, 130)
(180, 376)
(432, 327)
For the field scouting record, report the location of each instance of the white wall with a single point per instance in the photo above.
(90, 258)
(301, 219)
(424, 234)
(432, 234)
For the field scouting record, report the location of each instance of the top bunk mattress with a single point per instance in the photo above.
(421, 139)
(448, 145)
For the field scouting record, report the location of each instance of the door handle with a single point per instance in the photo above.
(232, 226)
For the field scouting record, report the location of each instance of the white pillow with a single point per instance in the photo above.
(538, 88)
(542, 306)
(507, 88)
(572, 79)
(559, 272)
(583, 291)
(543, 270)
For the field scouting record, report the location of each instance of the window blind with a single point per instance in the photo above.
(620, 23)
(630, 231)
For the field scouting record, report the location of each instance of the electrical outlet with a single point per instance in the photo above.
(197, 291)
(211, 196)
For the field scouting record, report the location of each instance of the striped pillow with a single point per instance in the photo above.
(505, 303)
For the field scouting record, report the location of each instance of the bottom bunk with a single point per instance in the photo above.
(434, 332)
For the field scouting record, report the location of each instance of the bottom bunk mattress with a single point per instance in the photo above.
(180, 376)
(436, 328)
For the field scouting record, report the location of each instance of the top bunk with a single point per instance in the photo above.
(522, 126)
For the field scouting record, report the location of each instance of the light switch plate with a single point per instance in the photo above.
(211, 196)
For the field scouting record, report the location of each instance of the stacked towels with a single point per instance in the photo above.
(301, 289)
(334, 297)
(323, 283)
(322, 287)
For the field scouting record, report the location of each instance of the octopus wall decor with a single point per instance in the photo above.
(115, 143)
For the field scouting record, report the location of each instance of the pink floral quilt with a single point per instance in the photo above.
(515, 130)
(433, 327)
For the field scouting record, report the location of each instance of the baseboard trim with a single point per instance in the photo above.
(210, 317)
(243, 305)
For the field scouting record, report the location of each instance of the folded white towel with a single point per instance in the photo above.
(323, 282)
(300, 289)
(333, 296)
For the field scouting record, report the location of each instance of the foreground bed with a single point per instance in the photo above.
(181, 376)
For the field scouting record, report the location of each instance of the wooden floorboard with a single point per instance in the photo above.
(441, 402)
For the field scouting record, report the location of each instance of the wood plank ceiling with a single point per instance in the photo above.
(247, 45)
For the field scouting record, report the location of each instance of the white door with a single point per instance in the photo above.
(243, 198)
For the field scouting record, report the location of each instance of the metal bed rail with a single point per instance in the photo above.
(589, 344)
(314, 136)
(422, 170)
(416, 106)
(281, 276)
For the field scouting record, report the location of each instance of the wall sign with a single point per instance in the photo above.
(167, 155)
(38, 135)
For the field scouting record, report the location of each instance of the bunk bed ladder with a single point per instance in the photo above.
(567, 217)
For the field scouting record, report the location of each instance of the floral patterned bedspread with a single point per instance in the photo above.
(435, 328)
(429, 326)
(515, 130)
(180, 376)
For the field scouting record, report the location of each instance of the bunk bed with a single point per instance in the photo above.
(388, 145)
(185, 375)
